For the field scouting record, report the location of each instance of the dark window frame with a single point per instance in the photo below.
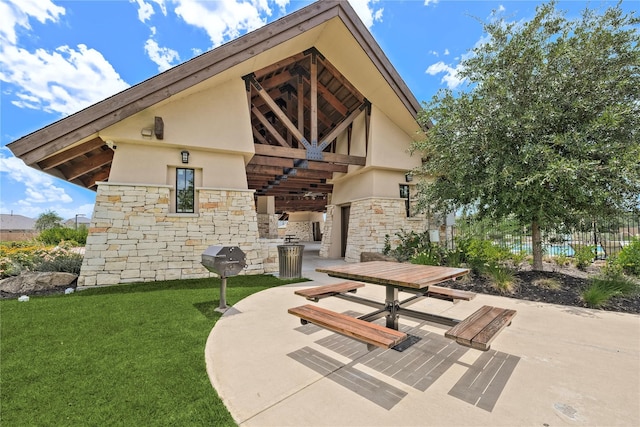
(405, 193)
(185, 190)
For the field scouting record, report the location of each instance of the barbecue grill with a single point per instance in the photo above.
(225, 261)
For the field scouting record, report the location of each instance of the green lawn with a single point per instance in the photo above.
(126, 355)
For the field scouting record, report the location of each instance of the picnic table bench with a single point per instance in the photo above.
(371, 334)
(478, 330)
(319, 292)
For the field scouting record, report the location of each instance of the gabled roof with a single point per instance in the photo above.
(16, 222)
(39, 145)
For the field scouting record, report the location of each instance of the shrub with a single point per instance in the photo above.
(53, 236)
(595, 296)
(629, 258)
(610, 283)
(14, 261)
(561, 260)
(411, 244)
(584, 255)
(502, 279)
(481, 254)
(519, 258)
(60, 260)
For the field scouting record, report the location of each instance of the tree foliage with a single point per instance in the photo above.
(548, 129)
(47, 220)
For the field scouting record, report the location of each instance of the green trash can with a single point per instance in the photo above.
(290, 261)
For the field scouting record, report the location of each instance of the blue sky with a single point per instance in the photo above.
(57, 57)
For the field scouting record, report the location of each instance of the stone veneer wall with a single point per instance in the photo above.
(133, 236)
(371, 219)
(301, 230)
(268, 226)
(326, 232)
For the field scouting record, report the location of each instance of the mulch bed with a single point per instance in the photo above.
(571, 280)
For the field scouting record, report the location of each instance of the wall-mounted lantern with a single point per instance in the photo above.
(408, 177)
(185, 156)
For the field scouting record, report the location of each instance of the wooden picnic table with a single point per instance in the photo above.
(412, 278)
(476, 331)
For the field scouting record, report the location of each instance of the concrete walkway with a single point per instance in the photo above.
(554, 365)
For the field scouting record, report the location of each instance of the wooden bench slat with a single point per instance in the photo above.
(318, 292)
(479, 329)
(369, 333)
(450, 294)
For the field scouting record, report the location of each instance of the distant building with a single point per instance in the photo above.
(77, 221)
(16, 227)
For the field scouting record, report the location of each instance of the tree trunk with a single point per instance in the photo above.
(536, 238)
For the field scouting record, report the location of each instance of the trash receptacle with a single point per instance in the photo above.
(290, 259)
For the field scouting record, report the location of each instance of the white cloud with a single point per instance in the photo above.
(446, 51)
(452, 75)
(428, 2)
(145, 10)
(39, 187)
(223, 20)
(163, 56)
(367, 12)
(63, 81)
(17, 12)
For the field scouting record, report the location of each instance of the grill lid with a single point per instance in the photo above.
(224, 260)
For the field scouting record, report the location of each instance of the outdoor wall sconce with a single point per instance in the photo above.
(147, 132)
(185, 156)
(158, 127)
(408, 177)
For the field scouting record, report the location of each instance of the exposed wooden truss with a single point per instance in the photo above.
(299, 107)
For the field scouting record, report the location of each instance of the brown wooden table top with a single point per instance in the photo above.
(394, 273)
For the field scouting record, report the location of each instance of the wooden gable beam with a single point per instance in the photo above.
(296, 153)
(275, 108)
(267, 124)
(88, 165)
(313, 97)
(98, 176)
(341, 127)
(70, 154)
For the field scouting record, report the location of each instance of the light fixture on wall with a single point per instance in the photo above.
(185, 156)
(408, 177)
(147, 132)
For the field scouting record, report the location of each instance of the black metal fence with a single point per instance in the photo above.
(608, 235)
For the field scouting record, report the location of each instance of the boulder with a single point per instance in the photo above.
(31, 283)
(375, 256)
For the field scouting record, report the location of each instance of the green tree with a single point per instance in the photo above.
(548, 128)
(47, 220)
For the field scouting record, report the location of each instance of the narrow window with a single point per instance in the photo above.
(185, 190)
(404, 193)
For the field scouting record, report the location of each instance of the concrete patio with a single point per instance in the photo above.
(554, 365)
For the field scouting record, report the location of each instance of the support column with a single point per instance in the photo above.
(267, 218)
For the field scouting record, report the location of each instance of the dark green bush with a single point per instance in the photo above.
(411, 244)
(53, 236)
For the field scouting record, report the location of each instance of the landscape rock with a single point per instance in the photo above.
(36, 283)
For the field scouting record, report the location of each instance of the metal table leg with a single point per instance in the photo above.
(392, 305)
